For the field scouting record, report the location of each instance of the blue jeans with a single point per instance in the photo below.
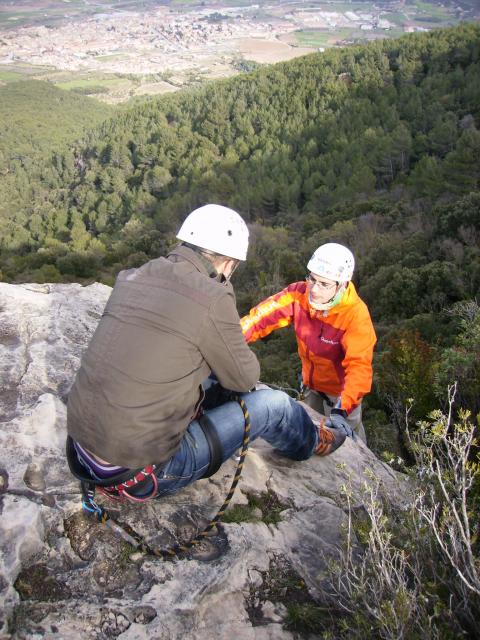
(274, 416)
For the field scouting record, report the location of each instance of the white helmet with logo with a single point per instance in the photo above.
(218, 229)
(332, 261)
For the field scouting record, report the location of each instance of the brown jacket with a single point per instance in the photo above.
(165, 328)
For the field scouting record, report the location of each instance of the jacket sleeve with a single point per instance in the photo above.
(224, 348)
(273, 313)
(358, 342)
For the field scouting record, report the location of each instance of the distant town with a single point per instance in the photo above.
(180, 45)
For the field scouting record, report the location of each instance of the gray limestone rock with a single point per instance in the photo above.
(62, 574)
(34, 477)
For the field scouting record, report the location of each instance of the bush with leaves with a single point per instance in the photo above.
(414, 573)
(461, 362)
(405, 370)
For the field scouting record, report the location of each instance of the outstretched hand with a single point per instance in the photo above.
(337, 421)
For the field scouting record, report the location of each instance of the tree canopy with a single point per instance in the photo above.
(374, 146)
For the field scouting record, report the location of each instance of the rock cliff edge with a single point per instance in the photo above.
(64, 575)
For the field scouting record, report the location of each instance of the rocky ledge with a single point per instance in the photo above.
(64, 575)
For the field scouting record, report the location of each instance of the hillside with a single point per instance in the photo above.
(37, 118)
(375, 146)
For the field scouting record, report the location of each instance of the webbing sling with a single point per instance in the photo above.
(326, 399)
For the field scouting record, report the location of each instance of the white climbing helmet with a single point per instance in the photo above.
(332, 261)
(218, 229)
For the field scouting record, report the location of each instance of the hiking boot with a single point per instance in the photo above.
(328, 439)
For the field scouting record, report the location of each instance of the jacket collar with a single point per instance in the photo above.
(349, 298)
(201, 264)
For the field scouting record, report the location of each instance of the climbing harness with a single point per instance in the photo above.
(114, 487)
(303, 389)
(117, 489)
(214, 445)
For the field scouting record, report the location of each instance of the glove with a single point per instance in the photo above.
(338, 420)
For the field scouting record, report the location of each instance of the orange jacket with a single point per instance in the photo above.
(335, 346)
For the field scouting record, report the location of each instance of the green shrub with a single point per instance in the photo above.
(416, 573)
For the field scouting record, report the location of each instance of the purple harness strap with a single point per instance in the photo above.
(94, 466)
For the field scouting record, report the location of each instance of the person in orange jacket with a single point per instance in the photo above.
(334, 331)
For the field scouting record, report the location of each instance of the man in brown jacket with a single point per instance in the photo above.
(167, 326)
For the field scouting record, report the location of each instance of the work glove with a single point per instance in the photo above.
(337, 420)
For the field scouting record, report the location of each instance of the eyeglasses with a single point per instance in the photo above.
(313, 282)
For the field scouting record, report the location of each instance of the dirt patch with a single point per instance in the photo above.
(36, 583)
(269, 51)
(155, 88)
(282, 596)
